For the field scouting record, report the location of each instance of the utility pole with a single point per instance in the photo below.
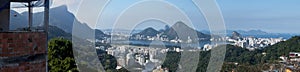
(46, 24)
(29, 15)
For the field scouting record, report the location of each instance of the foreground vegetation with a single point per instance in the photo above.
(60, 57)
(241, 59)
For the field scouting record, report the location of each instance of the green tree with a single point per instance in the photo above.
(172, 60)
(60, 56)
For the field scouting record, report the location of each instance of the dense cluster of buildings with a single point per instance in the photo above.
(151, 38)
(252, 43)
(141, 58)
(158, 37)
(236, 39)
(164, 38)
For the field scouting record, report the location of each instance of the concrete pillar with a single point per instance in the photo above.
(4, 15)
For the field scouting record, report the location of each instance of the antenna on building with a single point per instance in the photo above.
(30, 5)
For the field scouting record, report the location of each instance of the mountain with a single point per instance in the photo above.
(262, 34)
(283, 48)
(54, 32)
(61, 18)
(172, 32)
(100, 35)
(248, 33)
(17, 20)
(256, 33)
(236, 35)
(57, 32)
(185, 31)
(148, 32)
(242, 32)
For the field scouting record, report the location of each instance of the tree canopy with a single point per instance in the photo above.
(60, 56)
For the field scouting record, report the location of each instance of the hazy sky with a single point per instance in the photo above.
(279, 16)
(268, 15)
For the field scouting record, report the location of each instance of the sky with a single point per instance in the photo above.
(269, 15)
(275, 16)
